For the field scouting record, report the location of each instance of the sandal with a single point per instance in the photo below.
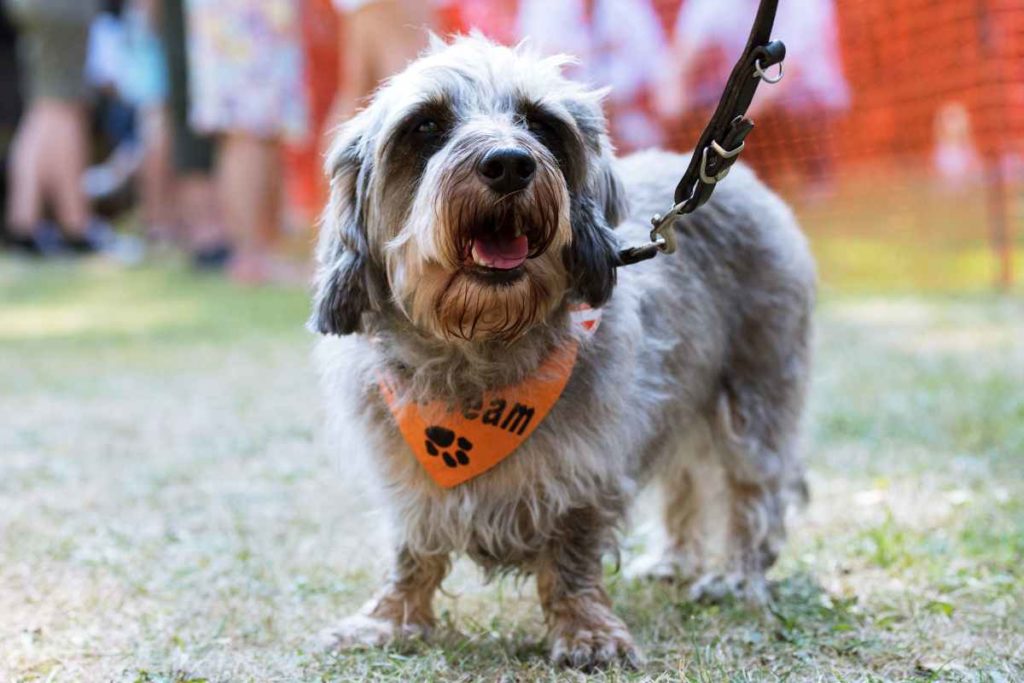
(44, 241)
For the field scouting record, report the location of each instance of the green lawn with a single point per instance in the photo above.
(169, 510)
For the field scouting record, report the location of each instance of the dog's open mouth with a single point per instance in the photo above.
(497, 251)
(506, 248)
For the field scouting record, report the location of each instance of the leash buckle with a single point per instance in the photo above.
(725, 155)
(662, 234)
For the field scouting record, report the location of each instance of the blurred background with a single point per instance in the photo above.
(169, 507)
(142, 127)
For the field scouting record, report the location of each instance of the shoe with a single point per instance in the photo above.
(97, 237)
(212, 258)
(25, 245)
(44, 240)
(100, 238)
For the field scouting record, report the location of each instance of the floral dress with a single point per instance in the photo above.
(246, 67)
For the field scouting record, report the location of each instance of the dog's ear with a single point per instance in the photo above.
(592, 257)
(610, 192)
(343, 286)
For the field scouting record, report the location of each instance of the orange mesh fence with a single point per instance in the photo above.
(909, 174)
(917, 182)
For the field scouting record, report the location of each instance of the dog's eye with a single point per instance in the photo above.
(428, 127)
(546, 132)
(538, 127)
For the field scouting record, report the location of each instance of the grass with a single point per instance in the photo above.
(890, 228)
(171, 514)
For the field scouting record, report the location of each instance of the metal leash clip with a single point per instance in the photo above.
(662, 234)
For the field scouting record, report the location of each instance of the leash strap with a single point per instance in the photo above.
(724, 137)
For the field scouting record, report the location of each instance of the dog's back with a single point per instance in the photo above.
(744, 228)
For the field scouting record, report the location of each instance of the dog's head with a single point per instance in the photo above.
(475, 194)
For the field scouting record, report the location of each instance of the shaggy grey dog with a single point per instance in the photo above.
(473, 202)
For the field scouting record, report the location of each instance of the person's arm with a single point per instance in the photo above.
(670, 95)
(691, 34)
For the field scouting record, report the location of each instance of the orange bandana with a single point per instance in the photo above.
(455, 446)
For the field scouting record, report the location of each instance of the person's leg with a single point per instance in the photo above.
(51, 151)
(64, 152)
(272, 217)
(197, 210)
(156, 178)
(401, 27)
(196, 191)
(248, 197)
(376, 41)
(25, 201)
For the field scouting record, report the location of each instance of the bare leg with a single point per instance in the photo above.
(197, 201)
(273, 207)
(250, 199)
(583, 630)
(401, 610)
(65, 157)
(376, 41)
(156, 179)
(25, 203)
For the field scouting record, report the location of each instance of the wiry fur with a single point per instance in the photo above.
(712, 340)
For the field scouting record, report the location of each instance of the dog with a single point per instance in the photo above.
(475, 203)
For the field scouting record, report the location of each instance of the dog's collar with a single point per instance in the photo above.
(454, 446)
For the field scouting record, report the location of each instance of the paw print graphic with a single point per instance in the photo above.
(442, 441)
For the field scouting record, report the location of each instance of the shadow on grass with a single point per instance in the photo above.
(681, 640)
(802, 625)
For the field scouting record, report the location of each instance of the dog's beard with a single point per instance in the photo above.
(473, 310)
(444, 288)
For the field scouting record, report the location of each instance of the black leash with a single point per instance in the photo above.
(720, 144)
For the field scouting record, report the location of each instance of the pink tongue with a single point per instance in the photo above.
(503, 254)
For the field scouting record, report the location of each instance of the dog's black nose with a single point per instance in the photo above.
(507, 170)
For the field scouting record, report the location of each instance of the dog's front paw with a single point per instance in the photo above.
(594, 641)
(716, 587)
(367, 631)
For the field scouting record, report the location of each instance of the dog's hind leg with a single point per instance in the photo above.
(756, 437)
(401, 610)
(679, 552)
(583, 631)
